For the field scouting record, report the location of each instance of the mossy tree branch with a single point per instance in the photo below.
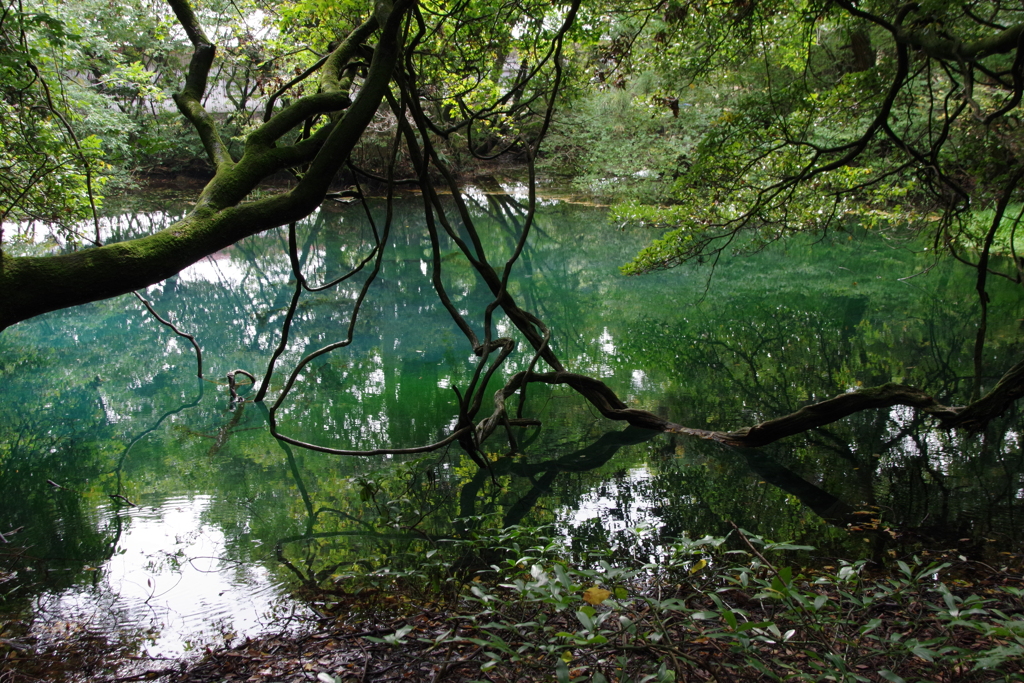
(190, 99)
(31, 286)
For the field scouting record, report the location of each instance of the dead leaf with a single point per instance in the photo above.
(595, 596)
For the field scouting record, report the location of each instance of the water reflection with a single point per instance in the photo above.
(102, 400)
(171, 580)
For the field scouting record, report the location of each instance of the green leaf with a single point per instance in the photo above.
(585, 619)
(923, 652)
(997, 656)
(788, 546)
(562, 671)
(870, 626)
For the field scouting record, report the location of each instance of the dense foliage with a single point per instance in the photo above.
(774, 117)
(788, 115)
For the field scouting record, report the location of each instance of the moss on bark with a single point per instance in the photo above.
(30, 286)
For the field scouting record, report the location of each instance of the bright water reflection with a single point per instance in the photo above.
(172, 580)
(103, 401)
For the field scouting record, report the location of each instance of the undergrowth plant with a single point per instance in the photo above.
(723, 609)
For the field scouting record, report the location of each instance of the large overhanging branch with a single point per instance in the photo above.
(30, 286)
(940, 47)
(972, 417)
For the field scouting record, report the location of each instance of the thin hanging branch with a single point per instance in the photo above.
(371, 277)
(982, 279)
(422, 137)
(186, 335)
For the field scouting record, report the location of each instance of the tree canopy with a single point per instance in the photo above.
(893, 114)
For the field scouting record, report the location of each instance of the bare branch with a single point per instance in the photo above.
(186, 335)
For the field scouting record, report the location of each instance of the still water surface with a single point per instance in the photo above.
(154, 507)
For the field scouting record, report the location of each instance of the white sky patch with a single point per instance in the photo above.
(639, 381)
(476, 194)
(518, 191)
(604, 504)
(216, 268)
(375, 381)
(168, 577)
(606, 343)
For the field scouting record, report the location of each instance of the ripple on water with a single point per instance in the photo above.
(169, 582)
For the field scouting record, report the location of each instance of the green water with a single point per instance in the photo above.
(100, 407)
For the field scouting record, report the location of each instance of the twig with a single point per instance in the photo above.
(199, 354)
(366, 666)
(752, 548)
(144, 676)
(3, 537)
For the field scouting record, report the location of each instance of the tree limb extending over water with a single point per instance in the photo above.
(34, 285)
(972, 417)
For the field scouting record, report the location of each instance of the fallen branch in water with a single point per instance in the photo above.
(233, 382)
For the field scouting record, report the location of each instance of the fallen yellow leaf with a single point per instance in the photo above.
(595, 595)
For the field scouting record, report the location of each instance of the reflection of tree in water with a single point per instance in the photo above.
(888, 468)
(393, 386)
(422, 504)
(44, 460)
(413, 509)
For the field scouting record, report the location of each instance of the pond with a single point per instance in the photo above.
(150, 505)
